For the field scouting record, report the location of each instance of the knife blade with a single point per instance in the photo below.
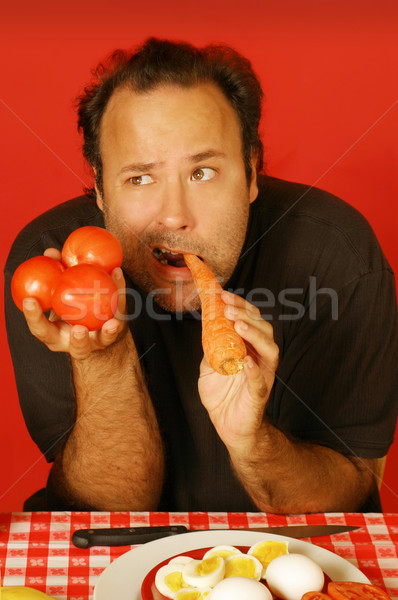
(125, 536)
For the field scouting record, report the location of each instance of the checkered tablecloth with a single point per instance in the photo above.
(36, 548)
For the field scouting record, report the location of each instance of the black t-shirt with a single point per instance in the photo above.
(314, 267)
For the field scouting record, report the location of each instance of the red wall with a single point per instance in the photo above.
(329, 70)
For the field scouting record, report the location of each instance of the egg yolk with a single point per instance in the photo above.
(174, 581)
(221, 553)
(267, 551)
(208, 565)
(240, 567)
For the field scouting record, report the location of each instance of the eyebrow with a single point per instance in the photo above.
(205, 155)
(192, 158)
(140, 167)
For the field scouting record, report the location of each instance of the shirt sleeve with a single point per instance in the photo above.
(337, 381)
(43, 380)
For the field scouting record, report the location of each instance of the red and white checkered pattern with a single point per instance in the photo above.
(36, 548)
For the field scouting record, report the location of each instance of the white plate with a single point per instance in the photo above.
(123, 578)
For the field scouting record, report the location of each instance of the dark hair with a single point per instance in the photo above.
(159, 62)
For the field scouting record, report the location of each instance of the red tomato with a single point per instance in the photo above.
(36, 278)
(316, 596)
(350, 590)
(92, 245)
(85, 295)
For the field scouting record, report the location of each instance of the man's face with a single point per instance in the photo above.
(174, 181)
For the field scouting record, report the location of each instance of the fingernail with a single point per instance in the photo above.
(242, 325)
(231, 310)
(249, 362)
(79, 334)
(28, 304)
(111, 331)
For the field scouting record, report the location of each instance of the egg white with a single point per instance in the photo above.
(193, 572)
(163, 574)
(238, 588)
(180, 560)
(223, 551)
(290, 576)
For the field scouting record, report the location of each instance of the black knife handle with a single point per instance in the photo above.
(123, 536)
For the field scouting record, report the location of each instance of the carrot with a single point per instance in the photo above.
(223, 347)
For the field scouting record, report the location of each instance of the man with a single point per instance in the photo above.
(144, 423)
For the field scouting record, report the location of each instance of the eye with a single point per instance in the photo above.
(203, 174)
(140, 179)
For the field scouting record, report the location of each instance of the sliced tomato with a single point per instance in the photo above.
(351, 590)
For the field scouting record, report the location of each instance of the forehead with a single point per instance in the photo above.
(170, 114)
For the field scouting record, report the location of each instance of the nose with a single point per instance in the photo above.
(175, 212)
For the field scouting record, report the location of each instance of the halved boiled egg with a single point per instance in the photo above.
(204, 573)
(238, 588)
(180, 560)
(222, 551)
(169, 579)
(292, 575)
(193, 593)
(243, 565)
(266, 551)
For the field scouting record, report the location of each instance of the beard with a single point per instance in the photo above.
(220, 252)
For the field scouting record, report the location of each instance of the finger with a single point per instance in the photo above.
(258, 387)
(110, 331)
(233, 300)
(265, 348)
(118, 278)
(80, 346)
(250, 317)
(38, 324)
(53, 317)
(52, 253)
(234, 312)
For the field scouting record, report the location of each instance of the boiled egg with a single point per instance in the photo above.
(243, 565)
(290, 576)
(204, 573)
(239, 588)
(192, 593)
(266, 550)
(222, 551)
(180, 560)
(169, 579)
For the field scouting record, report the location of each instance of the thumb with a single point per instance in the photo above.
(118, 278)
(256, 384)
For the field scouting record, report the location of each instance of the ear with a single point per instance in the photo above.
(253, 187)
(98, 195)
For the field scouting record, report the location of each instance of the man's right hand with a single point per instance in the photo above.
(76, 340)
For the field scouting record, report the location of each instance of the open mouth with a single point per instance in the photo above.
(166, 257)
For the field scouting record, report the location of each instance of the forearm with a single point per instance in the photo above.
(113, 459)
(285, 476)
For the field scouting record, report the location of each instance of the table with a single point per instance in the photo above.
(36, 549)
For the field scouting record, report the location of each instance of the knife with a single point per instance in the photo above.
(125, 536)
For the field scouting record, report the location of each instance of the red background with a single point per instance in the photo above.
(329, 71)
